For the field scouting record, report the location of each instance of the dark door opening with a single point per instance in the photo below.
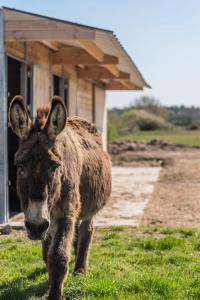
(14, 88)
(17, 78)
(29, 90)
(60, 88)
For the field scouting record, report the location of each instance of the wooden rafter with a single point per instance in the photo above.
(52, 45)
(115, 85)
(121, 85)
(97, 72)
(130, 85)
(75, 56)
(92, 49)
(98, 54)
(113, 70)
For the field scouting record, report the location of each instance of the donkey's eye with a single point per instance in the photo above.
(20, 170)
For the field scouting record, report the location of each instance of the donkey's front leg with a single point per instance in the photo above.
(45, 247)
(58, 257)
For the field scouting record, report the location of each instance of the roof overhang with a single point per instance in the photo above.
(96, 52)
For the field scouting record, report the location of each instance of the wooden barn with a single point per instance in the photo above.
(41, 57)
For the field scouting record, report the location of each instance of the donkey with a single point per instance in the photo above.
(63, 180)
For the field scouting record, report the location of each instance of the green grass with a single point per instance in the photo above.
(125, 263)
(177, 136)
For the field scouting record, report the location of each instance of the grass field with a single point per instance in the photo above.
(126, 263)
(177, 136)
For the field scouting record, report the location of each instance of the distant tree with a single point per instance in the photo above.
(151, 105)
(184, 116)
(146, 102)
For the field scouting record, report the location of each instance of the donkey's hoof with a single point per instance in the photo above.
(55, 297)
(79, 272)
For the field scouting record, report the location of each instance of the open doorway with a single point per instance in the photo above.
(61, 88)
(19, 82)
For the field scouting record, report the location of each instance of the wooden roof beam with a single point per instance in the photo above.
(75, 56)
(121, 84)
(98, 54)
(92, 49)
(113, 70)
(39, 30)
(97, 73)
(51, 45)
(130, 85)
(116, 85)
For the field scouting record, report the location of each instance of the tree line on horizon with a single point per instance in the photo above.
(147, 113)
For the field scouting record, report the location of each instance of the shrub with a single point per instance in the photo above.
(138, 119)
(152, 106)
(194, 126)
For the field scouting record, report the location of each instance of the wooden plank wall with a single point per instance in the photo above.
(39, 56)
(85, 99)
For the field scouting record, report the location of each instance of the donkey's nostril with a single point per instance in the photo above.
(36, 231)
(44, 226)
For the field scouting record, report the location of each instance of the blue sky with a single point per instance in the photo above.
(163, 38)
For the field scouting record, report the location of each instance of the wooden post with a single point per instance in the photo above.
(3, 129)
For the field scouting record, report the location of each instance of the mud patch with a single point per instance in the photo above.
(132, 188)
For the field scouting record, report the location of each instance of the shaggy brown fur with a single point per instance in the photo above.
(63, 180)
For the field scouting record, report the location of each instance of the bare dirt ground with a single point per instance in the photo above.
(176, 197)
(175, 200)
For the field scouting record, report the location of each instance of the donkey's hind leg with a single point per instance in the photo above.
(84, 239)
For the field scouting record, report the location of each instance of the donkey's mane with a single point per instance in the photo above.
(41, 117)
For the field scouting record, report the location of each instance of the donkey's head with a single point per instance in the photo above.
(39, 165)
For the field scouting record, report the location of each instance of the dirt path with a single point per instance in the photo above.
(176, 198)
(132, 189)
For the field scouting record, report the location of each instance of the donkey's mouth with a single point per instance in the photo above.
(35, 238)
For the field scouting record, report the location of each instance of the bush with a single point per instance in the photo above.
(152, 106)
(194, 126)
(138, 119)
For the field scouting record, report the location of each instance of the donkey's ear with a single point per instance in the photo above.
(56, 119)
(19, 119)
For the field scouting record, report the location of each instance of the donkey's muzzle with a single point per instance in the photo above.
(36, 231)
